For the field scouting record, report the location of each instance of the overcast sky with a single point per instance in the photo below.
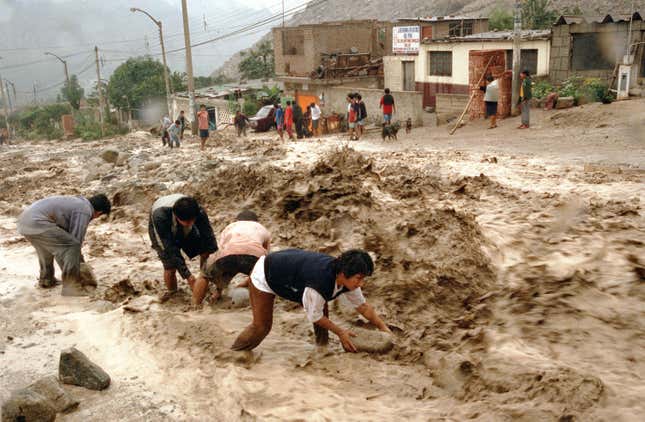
(71, 28)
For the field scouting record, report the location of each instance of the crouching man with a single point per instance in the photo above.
(56, 227)
(312, 279)
(178, 223)
(241, 244)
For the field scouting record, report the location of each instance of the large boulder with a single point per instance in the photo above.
(110, 155)
(372, 341)
(565, 102)
(50, 388)
(29, 406)
(76, 369)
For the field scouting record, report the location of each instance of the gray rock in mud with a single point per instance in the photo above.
(50, 388)
(239, 297)
(372, 341)
(76, 369)
(27, 405)
(110, 155)
(122, 159)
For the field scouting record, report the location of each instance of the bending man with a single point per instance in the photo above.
(178, 223)
(312, 279)
(56, 227)
(241, 244)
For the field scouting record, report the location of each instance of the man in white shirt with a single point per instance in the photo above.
(315, 117)
(312, 279)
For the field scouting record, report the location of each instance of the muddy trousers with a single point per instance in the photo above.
(525, 112)
(262, 307)
(56, 244)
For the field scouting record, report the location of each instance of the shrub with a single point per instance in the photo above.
(250, 105)
(88, 128)
(41, 121)
(589, 89)
(542, 88)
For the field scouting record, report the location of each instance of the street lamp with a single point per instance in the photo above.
(163, 54)
(47, 53)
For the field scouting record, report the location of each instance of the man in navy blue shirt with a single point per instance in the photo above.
(311, 279)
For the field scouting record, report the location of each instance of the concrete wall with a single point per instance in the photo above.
(560, 65)
(393, 71)
(372, 37)
(181, 103)
(451, 103)
(408, 103)
(460, 52)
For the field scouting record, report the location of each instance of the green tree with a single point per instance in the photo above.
(257, 63)
(500, 19)
(72, 92)
(538, 14)
(140, 79)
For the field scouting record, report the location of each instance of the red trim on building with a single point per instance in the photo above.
(431, 89)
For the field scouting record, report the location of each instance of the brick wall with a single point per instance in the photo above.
(477, 62)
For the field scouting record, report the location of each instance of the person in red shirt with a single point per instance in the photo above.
(288, 120)
(202, 118)
(388, 106)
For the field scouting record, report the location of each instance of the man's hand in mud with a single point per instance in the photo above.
(344, 337)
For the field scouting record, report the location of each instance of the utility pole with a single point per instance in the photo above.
(283, 13)
(64, 64)
(6, 85)
(98, 87)
(189, 68)
(163, 56)
(517, 28)
(35, 94)
(5, 104)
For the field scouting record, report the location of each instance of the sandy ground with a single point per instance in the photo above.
(510, 265)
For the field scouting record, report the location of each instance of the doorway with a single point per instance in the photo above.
(408, 76)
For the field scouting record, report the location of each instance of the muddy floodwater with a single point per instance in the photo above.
(510, 265)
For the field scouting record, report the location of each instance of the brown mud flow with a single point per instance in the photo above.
(514, 286)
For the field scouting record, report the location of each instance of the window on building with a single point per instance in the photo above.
(528, 60)
(588, 53)
(440, 63)
(460, 29)
(454, 29)
(468, 28)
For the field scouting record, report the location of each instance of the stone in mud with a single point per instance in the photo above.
(27, 405)
(122, 159)
(110, 155)
(76, 369)
(239, 297)
(564, 102)
(87, 275)
(372, 341)
(50, 388)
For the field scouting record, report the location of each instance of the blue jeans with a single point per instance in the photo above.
(174, 140)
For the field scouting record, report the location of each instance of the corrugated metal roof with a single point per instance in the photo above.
(577, 19)
(526, 34)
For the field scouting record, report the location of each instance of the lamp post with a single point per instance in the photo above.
(47, 53)
(163, 55)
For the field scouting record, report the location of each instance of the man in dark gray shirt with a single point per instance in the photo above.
(56, 227)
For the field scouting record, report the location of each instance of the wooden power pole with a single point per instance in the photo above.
(189, 68)
(98, 88)
(515, 85)
(5, 103)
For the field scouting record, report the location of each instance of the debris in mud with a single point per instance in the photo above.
(76, 369)
(27, 405)
(87, 275)
(110, 155)
(372, 341)
(140, 304)
(120, 291)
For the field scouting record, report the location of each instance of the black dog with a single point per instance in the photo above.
(390, 131)
(408, 125)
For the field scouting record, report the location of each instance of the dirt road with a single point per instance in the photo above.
(509, 263)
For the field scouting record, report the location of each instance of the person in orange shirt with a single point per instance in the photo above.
(288, 120)
(202, 118)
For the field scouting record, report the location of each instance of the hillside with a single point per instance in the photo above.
(334, 10)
